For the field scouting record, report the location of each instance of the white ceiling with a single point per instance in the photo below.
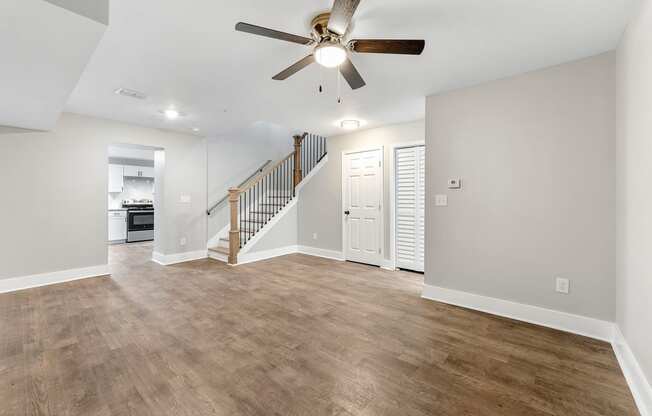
(188, 55)
(44, 48)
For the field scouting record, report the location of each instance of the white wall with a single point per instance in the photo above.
(536, 157)
(235, 156)
(60, 181)
(320, 204)
(634, 173)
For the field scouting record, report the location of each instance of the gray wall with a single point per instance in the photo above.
(536, 157)
(55, 214)
(283, 234)
(634, 173)
(97, 10)
(320, 204)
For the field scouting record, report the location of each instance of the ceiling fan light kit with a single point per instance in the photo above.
(330, 54)
(327, 41)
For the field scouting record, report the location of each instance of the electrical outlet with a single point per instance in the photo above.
(183, 241)
(184, 199)
(562, 285)
(314, 236)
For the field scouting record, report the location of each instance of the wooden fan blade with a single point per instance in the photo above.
(271, 33)
(397, 46)
(341, 15)
(293, 69)
(351, 75)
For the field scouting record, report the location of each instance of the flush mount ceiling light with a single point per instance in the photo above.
(126, 92)
(330, 54)
(171, 114)
(195, 129)
(350, 124)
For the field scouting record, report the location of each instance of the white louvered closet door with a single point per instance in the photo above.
(410, 207)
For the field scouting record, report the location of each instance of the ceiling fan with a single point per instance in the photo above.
(330, 49)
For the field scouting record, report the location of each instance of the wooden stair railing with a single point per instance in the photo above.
(255, 202)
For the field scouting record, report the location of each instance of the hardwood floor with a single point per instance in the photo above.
(295, 335)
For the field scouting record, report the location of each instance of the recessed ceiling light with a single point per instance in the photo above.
(126, 92)
(171, 114)
(350, 124)
(195, 129)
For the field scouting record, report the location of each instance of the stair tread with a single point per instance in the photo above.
(223, 250)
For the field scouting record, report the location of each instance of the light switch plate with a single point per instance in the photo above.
(185, 199)
(562, 285)
(441, 200)
(183, 241)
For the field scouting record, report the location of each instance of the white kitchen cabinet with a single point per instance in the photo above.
(138, 171)
(117, 225)
(116, 178)
(147, 172)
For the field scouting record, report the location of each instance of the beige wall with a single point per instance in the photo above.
(54, 210)
(320, 204)
(536, 157)
(634, 167)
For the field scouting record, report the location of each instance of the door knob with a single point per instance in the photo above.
(347, 212)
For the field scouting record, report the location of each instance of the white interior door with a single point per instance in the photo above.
(362, 201)
(410, 207)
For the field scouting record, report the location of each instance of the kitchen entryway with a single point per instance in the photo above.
(131, 194)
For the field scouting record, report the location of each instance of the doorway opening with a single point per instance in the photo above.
(134, 180)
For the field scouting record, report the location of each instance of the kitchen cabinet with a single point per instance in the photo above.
(117, 225)
(139, 172)
(116, 178)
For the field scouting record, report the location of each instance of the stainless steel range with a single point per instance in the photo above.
(140, 219)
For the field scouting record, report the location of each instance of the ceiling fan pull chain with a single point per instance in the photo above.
(321, 81)
(339, 89)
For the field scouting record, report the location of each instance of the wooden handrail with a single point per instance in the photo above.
(260, 176)
(258, 171)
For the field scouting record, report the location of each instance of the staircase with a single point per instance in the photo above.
(258, 200)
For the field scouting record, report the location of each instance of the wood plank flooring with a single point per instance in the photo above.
(295, 335)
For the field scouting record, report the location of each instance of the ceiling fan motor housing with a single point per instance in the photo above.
(320, 29)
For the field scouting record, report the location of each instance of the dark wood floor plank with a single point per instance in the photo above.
(295, 335)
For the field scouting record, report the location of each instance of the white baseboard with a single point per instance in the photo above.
(320, 252)
(638, 383)
(43, 279)
(581, 325)
(265, 254)
(169, 259)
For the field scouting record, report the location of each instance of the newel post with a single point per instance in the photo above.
(234, 231)
(297, 158)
